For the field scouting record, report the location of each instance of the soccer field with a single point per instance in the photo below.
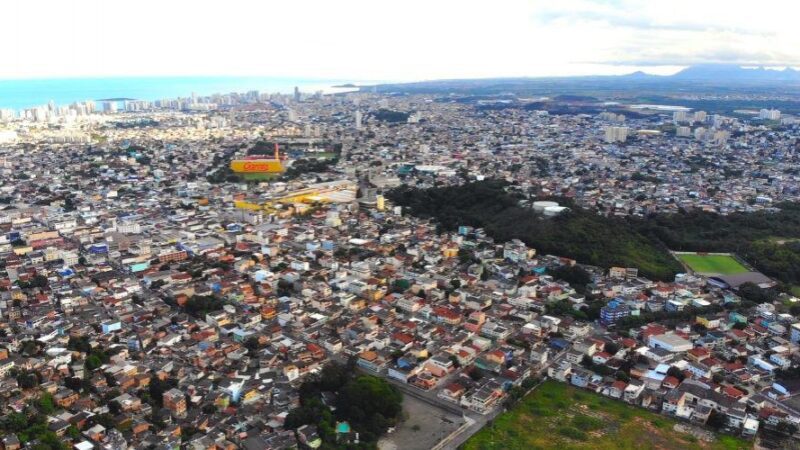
(719, 264)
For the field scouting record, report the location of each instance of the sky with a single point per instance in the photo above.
(383, 40)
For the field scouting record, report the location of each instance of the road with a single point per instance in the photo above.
(474, 422)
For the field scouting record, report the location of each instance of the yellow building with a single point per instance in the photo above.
(450, 252)
(257, 166)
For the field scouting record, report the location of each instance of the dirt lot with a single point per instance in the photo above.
(425, 426)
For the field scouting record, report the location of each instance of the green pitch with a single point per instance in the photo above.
(719, 264)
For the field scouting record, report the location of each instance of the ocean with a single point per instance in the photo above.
(20, 94)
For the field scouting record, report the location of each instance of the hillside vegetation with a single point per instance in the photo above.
(767, 240)
(579, 234)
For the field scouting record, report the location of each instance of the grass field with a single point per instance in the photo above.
(720, 264)
(559, 416)
(260, 176)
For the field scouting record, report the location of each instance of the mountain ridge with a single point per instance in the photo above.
(734, 72)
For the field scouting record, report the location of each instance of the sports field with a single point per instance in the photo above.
(716, 264)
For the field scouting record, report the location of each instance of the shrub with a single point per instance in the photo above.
(586, 423)
(573, 433)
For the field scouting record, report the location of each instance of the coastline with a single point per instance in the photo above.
(33, 93)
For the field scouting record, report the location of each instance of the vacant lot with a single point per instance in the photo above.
(424, 427)
(716, 264)
(558, 416)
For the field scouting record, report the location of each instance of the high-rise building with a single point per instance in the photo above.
(381, 202)
(680, 116)
(358, 120)
(110, 107)
(721, 136)
(769, 114)
(700, 133)
(616, 134)
(296, 94)
(700, 116)
(683, 131)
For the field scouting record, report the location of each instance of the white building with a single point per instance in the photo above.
(358, 120)
(616, 134)
(795, 333)
(769, 114)
(670, 342)
(700, 116)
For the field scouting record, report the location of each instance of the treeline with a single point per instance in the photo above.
(387, 115)
(303, 166)
(369, 404)
(769, 240)
(579, 233)
(765, 239)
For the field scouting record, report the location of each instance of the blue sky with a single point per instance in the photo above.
(381, 40)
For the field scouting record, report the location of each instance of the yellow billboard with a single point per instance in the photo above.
(256, 166)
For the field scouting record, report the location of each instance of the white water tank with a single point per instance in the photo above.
(541, 205)
(552, 211)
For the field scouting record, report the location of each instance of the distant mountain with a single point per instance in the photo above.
(701, 76)
(639, 75)
(732, 72)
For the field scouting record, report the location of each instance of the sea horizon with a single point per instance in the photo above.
(19, 94)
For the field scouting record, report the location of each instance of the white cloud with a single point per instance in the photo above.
(414, 39)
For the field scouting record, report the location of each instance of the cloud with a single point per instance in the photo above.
(369, 40)
(679, 32)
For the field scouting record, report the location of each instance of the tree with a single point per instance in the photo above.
(79, 344)
(787, 428)
(576, 276)
(370, 402)
(46, 404)
(675, 372)
(114, 407)
(716, 420)
(750, 291)
(74, 383)
(251, 343)
(401, 285)
(27, 380)
(611, 348)
(30, 348)
(73, 433)
(93, 362)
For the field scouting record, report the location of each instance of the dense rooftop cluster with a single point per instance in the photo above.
(146, 303)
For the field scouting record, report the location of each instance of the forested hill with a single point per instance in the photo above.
(768, 240)
(579, 234)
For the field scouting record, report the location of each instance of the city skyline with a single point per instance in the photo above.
(356, 40)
